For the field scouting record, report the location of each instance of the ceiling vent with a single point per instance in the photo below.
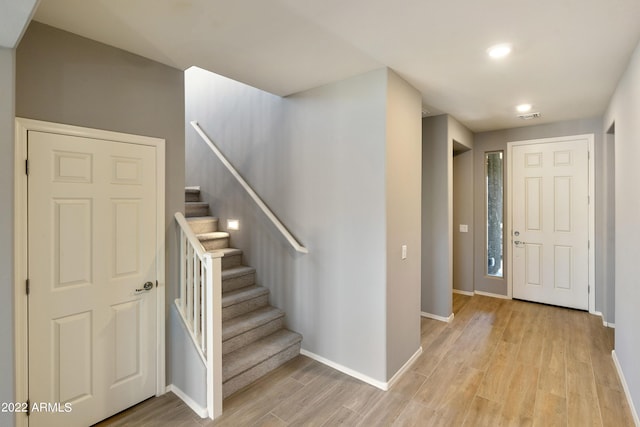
(529, 116)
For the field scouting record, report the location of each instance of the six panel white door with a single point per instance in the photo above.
(550, 218)
(92, 222)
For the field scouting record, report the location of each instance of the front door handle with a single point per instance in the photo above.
(518, 243)
(146, 287)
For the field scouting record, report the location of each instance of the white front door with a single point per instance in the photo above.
(92, 244)
(550, 222)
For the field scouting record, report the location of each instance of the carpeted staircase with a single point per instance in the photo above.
(255, 341)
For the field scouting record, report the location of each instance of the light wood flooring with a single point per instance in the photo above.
(498, 363)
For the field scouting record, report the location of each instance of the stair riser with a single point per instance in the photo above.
(244, 307)
(196, 210)
(239, 381)
(235, 283)
(204, 226)
(215, 243)
(231, 261)
(191, 197)
(252, 335)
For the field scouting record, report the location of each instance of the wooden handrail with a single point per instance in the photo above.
(265, 209)
(191, 237)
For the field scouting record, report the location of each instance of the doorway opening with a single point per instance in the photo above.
(462, 223)
(609, 241)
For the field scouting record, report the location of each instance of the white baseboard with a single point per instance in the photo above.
(355, 374)
(436, 317)
(634, 413)
(467, 293)
(404, 368)
(362, 377)
(199, 410)
(489, 294)
(605, 323)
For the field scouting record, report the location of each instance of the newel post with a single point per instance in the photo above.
(214, 334)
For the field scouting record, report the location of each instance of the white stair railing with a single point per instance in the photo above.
(200, 305)
(254, 196)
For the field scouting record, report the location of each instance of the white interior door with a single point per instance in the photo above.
(92, 243)
(550, 222)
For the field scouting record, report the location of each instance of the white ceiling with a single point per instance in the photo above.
(567, 59)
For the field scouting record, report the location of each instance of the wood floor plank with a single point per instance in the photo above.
(343, 417)
(514, 331)
(384, 412)
(604, 370)
(484, 413)
(415, 415)
(613, 406)
(583, 410)
(519, 403)
(530, 351)
(256, 407)
(431, 392)
(550, 410)
(269, 420)
(308, 395)
(553, 368)
(496, 384)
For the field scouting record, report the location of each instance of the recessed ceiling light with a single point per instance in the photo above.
(523, 108)
(499, 51)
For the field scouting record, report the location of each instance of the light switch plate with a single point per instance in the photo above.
(464, 228)
(404, 251)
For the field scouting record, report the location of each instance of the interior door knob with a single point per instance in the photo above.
(146, 287)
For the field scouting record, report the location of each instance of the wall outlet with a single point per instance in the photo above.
(464, 228)
(404, 251)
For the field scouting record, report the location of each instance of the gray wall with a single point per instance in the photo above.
(624, 110)
(187, 368)
(497, 140)
(7, 380)
(403, 194)
(68, 79)
(463, 213)
(436, 217)
(318, 159)
(439, 135)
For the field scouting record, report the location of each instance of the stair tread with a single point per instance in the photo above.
(192, 189)
(246, 322)
(243, 294)
(197, 204)
(213, 235)
(238, 271)
(201, 218)
(227, 251)
(245, 358)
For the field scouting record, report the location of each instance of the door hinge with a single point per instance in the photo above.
(28, 407)
(156, 283)
(588, 289)
(26, 166)
(28, 283)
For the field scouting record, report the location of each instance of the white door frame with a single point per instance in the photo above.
(21, 320)
(509, 239)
